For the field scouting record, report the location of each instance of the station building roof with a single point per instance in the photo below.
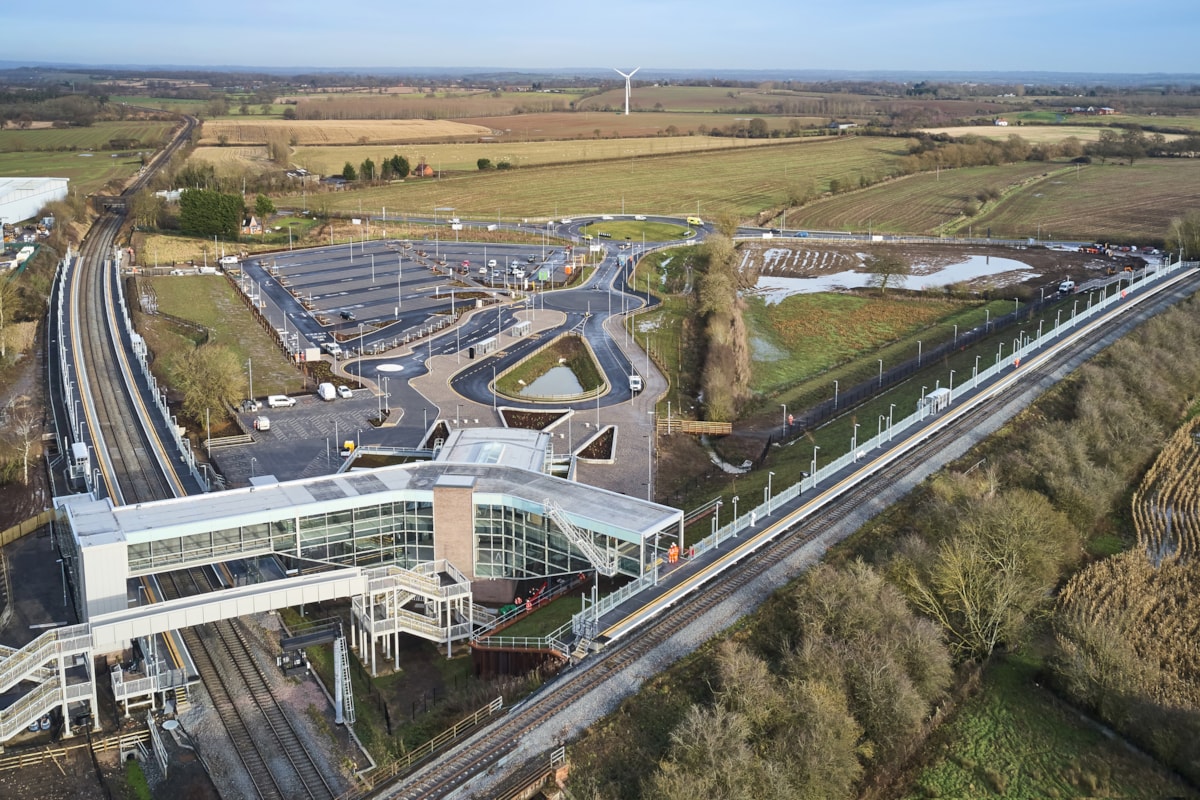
(509, 447)
(97, 522)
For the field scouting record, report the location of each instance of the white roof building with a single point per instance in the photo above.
(22, 198)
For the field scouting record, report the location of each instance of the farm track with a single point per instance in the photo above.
(264, 739)
(480, 754)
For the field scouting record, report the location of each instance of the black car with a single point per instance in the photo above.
(347, 315)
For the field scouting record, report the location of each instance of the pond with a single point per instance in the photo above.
(775, 288)
(558, 380)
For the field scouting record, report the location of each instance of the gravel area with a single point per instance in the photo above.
(302, 700)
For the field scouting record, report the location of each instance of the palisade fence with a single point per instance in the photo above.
(586, 622)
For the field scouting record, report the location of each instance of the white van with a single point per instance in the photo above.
(326, 391)
(635, 383)
(280, 401)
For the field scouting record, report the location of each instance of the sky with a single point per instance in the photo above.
(1102, 36)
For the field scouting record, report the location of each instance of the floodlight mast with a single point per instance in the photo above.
(627, 86)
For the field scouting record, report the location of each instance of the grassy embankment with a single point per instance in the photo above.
(210, 301)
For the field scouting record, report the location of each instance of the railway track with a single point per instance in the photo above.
(264, 739)
(116, 416)
(483, 752)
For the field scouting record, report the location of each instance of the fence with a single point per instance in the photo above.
(26, 527)
(406, 762)
(676, 425)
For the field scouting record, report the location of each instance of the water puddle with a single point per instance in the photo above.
(559, 380)
(774, 288)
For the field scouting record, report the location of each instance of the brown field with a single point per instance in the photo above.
(351, 131)
(742, 180)
(465, 155)
(585, 124)
(1116, 203)
(451, 104)
(253, 157)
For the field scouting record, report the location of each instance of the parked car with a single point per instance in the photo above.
(348, 315)
(250, 406)
(491, 262)
(345, 393)
(531, 259)
(262, 423)
(640, 217)
(280, 401)
(325, 391)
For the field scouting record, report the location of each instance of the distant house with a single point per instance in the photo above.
(1106, 110)
(251, 226)
(1001, 122)
(423, 171)
(336, 181)
(842, 126)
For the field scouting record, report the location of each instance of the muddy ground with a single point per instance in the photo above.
(1047, 267)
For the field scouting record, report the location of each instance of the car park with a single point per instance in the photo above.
(344, 392)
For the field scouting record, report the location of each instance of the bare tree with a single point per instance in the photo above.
(887, 269)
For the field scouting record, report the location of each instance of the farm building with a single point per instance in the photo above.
(22, 198)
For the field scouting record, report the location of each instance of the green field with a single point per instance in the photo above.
(210, 301)
(95, 137)
(86, 173)
(465, 156)
(741, 180)
(1102, 202)
(914, 204)
(1015, 739)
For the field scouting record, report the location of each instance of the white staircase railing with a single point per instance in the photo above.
(346, 684)
(605, 563)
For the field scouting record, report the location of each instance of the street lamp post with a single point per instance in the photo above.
(977, 371)
(951, 398)
(494, 392)
(360, 346)
(735, 514)
(289, 236)
(650, 458)
(891, 408)
(785, 423)
(769, 476)
(835, 395)
(816, 447)
(880, 372)
(253, 463)
(918, 352)
(854, 442)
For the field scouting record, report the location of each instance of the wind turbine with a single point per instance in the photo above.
(627, 89)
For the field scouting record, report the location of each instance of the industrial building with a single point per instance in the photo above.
(22, 198)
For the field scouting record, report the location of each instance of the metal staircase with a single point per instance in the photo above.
(345, 684)
(605, 563)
